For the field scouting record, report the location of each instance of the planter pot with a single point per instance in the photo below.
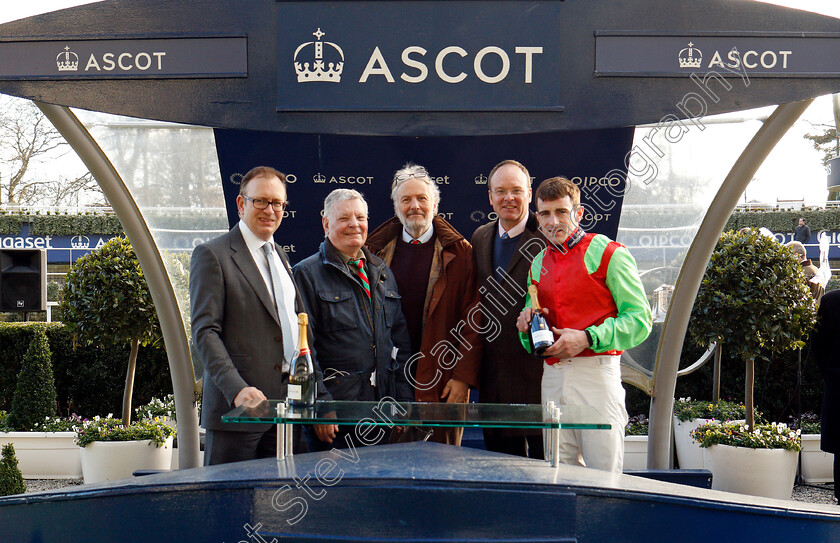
(45, 455)
(689, 453)
(817, 465)
(757, 472)
(111, 460)
(635, 452)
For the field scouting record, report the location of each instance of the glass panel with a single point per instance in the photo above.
(676, 168)
(420, 414)
(172, 172)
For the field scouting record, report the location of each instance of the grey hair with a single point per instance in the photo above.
(340, 195)
(798, 248)
(407, 169)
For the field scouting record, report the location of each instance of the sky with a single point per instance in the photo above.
(793, 171)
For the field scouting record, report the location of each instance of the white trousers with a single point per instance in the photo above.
(594, 381)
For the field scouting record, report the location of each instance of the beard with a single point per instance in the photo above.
(415, 223)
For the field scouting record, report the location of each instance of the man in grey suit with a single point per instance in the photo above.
(503, 250)
(244, 325)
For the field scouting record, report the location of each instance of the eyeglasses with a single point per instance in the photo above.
(516, 193)
(417, 174)
(262, 203)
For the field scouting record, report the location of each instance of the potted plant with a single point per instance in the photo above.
(11, 480)
(635, 442)
(106, 301)
(817, 466)
(44, 444)
(111, 450)
(760, 460)
(158, 408)
(688, 415)
(755, 300)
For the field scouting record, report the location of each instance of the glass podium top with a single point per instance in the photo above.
(391, 412)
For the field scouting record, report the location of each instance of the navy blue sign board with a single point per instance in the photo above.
(59, 249)
(326, 64)
(127, 58)
(459, 68)
(316, 165)
(783, 55)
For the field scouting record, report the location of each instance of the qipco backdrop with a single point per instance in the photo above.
(318, 164)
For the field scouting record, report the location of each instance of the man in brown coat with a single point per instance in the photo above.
(433, 266)
(503, 252)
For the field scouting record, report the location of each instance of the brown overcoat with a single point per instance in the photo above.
(450, 296)
(508, 373)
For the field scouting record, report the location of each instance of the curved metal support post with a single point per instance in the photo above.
(174, 337)
(693, 269)
(700, 361)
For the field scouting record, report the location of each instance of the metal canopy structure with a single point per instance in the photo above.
(589, 71)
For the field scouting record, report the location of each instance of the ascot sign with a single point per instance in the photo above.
(359, 63)
(412, 57)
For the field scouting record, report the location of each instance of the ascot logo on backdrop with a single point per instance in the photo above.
(313, 62)
(68, 61)
(319, 70)
(691, 58)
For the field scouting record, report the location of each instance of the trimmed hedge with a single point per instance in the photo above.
(88, 379)
(58, 224)
(785, 221)
(775, 384)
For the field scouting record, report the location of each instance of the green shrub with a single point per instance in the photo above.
(686, 409)
(11, 479)
(106, 302)
(111, 429)
(762, 436)
(637, 425)
(34, 397)
(88, 378)
(754, 301)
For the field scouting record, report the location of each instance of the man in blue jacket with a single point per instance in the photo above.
(360, 335)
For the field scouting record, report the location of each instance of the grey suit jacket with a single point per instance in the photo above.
(235, 327)
(508, 373)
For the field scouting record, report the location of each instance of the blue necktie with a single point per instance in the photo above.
(280, 306)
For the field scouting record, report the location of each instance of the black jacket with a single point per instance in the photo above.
(354, 336)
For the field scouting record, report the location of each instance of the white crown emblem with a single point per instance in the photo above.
(80, 242)
(319, 178)
(319, 71)
(690, 57)
(67, 61)
(481, 179)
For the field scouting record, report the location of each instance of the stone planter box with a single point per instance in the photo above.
(817, 466)
(635, 452)
(45, 455)
(111, 460)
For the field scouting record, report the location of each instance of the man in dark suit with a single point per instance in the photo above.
(825, 344)
(244, 319)
(802, 234)
(503, 252)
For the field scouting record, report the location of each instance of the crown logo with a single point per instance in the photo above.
(319, 178)
(690, 57)
(80, 242)
(319, 70)
(67, 61)
(481, 179)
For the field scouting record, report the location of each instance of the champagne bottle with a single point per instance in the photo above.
(541, 335)
(301, 392)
